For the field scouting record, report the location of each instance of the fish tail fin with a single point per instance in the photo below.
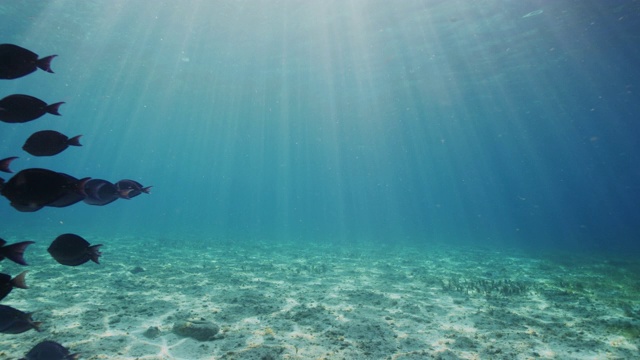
(15, 252)
(146, 190)
(80, 186)
(94, 253)
(45, 63)
(74, 141)
(19, 280)
(36, 325)
(53, 108)
(124, 193)
(4, 164)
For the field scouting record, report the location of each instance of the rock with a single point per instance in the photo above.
(201, 330)
(136, 270)
(152, 332)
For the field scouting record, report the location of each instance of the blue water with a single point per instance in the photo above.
(346, 121)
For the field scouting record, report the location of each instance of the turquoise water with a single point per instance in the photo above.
(493, 122)
(336, 179)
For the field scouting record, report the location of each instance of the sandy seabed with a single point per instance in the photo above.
(303, 301)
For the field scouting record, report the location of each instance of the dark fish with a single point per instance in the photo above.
(50, 350)
(100, 192)
(70, 197)
(49, 142)
(17, 62)
(129, 189)
(31, 189)
(7, 283)
(23, 108)
(14, 252)
(4, 164)
(14, 321)
(72, 250)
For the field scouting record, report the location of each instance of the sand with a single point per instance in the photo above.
(288, 301)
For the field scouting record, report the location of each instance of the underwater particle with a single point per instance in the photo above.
(16, 62)
(20, 108)
(129, 189)
(7, 283)
(4, 164)
(49, 143)
(31, 189)
(14, 321)
(533, 13)
(100, 192)
(14, 252)
(73, 250)
(201, 330)
(50, 350)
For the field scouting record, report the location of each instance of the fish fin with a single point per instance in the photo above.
(74, 356)
(80, 186)
(146, 190)
(36, 325)
(74, 141)
(53, 108)
(94, 253)
(45, 63)
(4, 164)
(19, 280)
(15, 252)
(124, 193)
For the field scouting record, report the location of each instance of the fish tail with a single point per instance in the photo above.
(80, 186)
(124, 193)
(74, 141)
(4, 164)
(53, 108)
(146, 190)
(94, 253)
(45, 63)
(15, 252)
(19, 280)
(36, 325)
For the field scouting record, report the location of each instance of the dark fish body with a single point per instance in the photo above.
(20, 108)
(100, 192)
(14, 321)
(129, 189)
(7, 283)
(4, 164)
(14, 252)
(71, 196)
(49, 350)
(16, 62)
(49, 143)
(72, 250)
(31, 189)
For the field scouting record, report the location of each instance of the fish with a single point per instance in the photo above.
(5, 163)
(31, 189)
(100, 192)
(7, 283)
(14, 252)
(14, 321)
(73, 250)
(19, 108)
(16, 62)
(129, 189)
(50, 350)
(49, 143)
